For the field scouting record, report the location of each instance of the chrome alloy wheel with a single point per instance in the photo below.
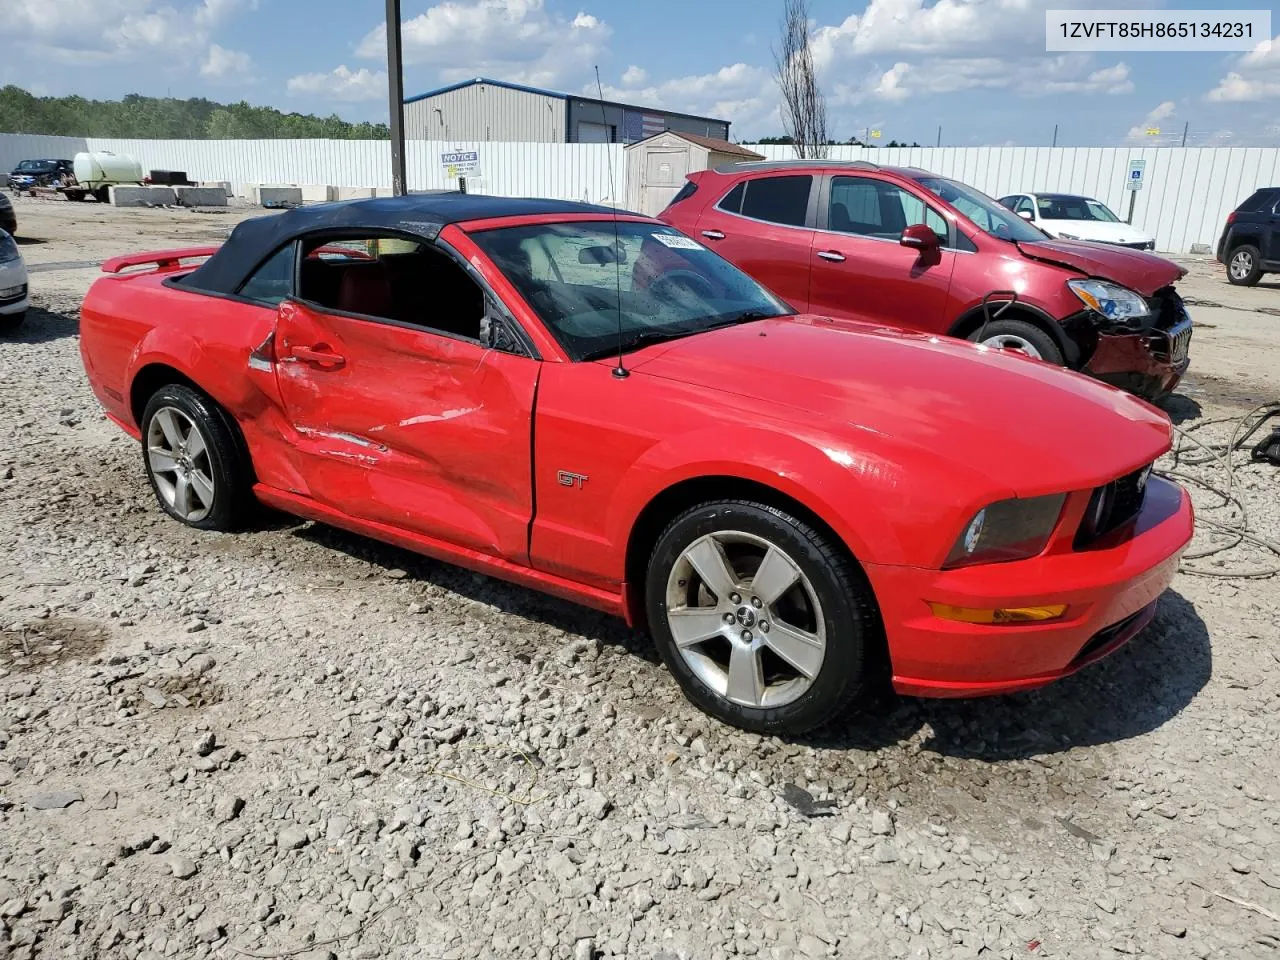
(746, 619)
(179, 460)
(1009, 341)
(1241, 264)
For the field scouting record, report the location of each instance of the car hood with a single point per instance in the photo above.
(1098, 230)
(1144, 272)
(1029, 427)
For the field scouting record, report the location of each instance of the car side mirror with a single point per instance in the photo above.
(1026, 215)
(497, 335)
(920, 237)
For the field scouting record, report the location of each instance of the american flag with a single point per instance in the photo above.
(638, 126)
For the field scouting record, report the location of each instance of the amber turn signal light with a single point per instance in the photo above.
(999, 615)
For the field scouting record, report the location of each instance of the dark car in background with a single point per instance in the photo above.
(38, 173)
(1250, 243)
(902, 247)
(8, 219)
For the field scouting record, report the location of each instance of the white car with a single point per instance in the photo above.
(1069, 217)
(13, 283)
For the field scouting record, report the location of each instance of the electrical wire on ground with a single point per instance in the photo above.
(1218, 461)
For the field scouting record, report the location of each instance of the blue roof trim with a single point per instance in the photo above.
(559, 96)
(492, 83)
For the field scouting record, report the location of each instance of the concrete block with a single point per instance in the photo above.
(318, 193)
(355, 193)
(278, 196)
(382, 192)
(129, 196)
(200, 196)
(224, 185)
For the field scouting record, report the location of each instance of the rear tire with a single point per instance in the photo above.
(195, 460)
(102, 194)
(1021, 336)
(763, 620)
(77, 196)
(1244, 266)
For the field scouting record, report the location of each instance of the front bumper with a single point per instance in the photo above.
(1110, 592)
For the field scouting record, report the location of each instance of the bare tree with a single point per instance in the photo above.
(804, 109)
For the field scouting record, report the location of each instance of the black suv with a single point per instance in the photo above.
(38, 173)
(1250, 244)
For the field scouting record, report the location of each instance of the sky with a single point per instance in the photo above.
(977, 69)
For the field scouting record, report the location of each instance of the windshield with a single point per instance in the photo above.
(574, 274)
(1074, 208)
(988, 215)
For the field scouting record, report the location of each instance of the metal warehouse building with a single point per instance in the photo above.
(483, 109)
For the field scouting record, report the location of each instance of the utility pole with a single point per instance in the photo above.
(1185, 127)
(395, 93)
(1055, 134)
(939, 143)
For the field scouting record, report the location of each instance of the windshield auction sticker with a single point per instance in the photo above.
(1157, 30)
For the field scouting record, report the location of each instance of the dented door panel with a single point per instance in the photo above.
(403, 426)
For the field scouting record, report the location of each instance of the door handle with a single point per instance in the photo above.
(321, 355)
(831, 255)
(713, 234)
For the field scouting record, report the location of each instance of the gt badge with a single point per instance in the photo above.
(567, 479)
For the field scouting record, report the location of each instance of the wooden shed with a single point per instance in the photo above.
(657, 166)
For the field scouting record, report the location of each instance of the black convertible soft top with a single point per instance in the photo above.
(422, 215)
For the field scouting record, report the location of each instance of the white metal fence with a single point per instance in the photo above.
(1186, 197)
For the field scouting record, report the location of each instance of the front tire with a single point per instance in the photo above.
(1021, 336)
(764, 621)
(197, 465)
(1244, 268)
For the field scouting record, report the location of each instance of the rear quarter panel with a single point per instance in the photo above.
(129, 323)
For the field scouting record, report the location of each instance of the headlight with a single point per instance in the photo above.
(1067, 236)
(1110, 299)
(1007, 530)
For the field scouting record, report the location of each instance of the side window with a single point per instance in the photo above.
(874, 208)
(386, 277)
(1024, 205)
(783, 200)
(732, 203)
(273, 281)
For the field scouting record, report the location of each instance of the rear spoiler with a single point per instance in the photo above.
(163, 259)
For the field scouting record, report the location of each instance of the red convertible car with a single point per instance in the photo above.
(796, 508)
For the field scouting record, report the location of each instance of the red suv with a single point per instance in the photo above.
(906, 248)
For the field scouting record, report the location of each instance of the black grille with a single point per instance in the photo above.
(1105, 636)
(1171, 339)
(22, 292)
(1112, 506)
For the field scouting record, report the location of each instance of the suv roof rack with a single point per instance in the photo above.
(745, 165)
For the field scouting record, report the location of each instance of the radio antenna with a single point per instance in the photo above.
(620, 371)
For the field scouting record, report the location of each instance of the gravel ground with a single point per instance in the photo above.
(296, 742)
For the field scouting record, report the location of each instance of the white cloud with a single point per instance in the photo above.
(119, 30)
(1256, 76)
(516, 40)
(150, 33)
(223, 64)
(1161, 111)
(1068, 73)
(634, 76)
(743, 94)
(341, 84)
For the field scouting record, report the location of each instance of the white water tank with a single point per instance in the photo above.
(103, 168)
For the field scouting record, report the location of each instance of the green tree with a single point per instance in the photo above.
(167, 118)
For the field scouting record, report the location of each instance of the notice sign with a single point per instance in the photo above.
(1136, 169)
(461, 163)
